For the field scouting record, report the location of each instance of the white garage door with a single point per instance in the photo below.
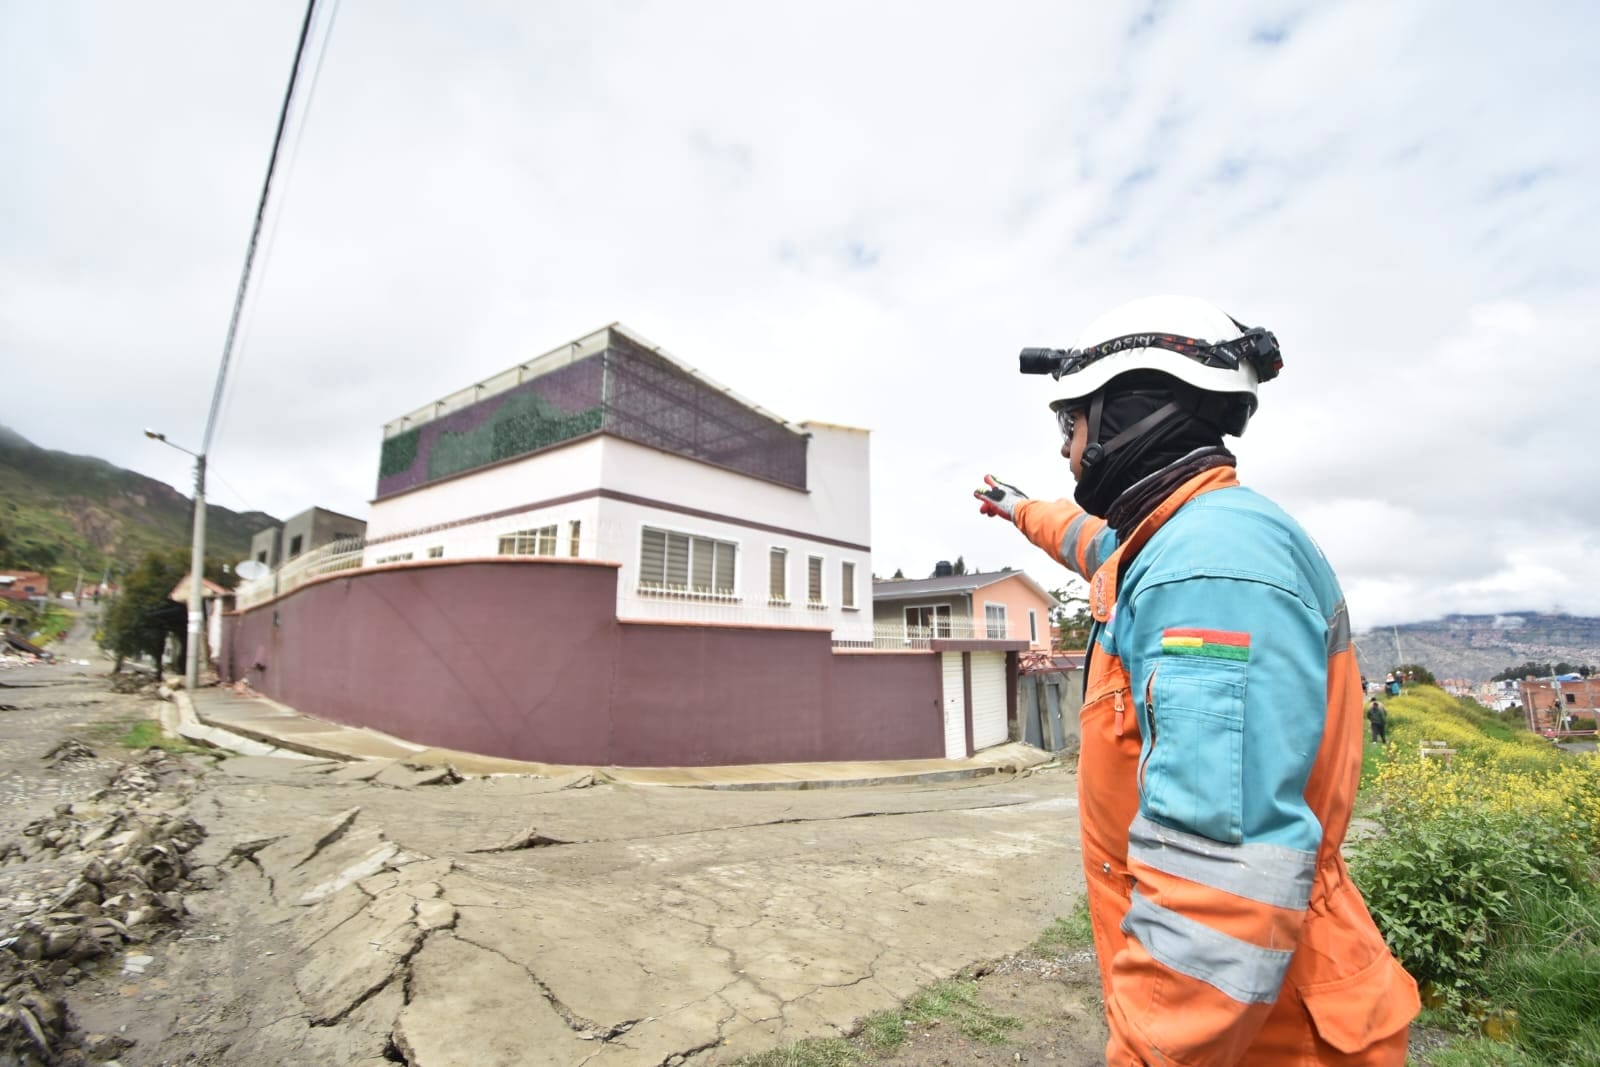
(955, 708)
(989, 699)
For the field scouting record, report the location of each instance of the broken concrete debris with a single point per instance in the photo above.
(411, 775)
(71, 750)
(133, 868)
(528, 838)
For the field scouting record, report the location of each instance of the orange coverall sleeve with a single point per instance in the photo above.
(1070, 535)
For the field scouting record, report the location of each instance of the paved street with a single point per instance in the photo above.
(552, 921)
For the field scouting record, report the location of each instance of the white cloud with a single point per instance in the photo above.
(850, 212)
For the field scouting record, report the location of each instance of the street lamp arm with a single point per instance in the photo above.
(155, 436)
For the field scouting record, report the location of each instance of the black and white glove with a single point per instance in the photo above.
(999, 498)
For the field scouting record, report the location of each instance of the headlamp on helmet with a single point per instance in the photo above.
(1255, 346)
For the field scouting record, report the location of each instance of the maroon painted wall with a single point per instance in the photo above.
(525, 659)
(757, 695)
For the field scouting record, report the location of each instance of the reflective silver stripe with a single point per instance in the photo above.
(1069, 541)
(1092, 554)
(1270, 874)
(1339, 630)
(1247, 973)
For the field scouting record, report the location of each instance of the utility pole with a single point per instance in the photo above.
(197, 579)
(198, 554)
(197, 567)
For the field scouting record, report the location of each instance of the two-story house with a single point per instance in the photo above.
(609, 448)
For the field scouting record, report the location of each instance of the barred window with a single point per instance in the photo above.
(681, 562)
(575, 541)
(538, 542)
(436, 552)
(994, 620)
(847, 585)
(778, 575)
(814, 582)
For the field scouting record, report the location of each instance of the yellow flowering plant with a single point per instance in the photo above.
(1492, 814)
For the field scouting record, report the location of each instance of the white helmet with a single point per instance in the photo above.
(1188, 338)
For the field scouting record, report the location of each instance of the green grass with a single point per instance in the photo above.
(1547, 970)
(823, 1052)
(1074, 933)
(140, 734)
(146, 733)
(953, 1003)
(55, 624)
(1481, 1052)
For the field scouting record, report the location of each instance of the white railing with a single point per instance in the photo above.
(335, 556)
(892, 635)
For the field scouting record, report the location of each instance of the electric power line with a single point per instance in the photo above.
(255, 230)
(285, 187)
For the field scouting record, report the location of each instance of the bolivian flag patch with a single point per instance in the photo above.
(1212, 644)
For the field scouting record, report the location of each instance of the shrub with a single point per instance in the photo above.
(1440, 883)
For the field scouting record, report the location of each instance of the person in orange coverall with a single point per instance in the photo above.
(1222, 717)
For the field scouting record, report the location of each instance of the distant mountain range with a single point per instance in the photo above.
(1476, 647)
(60, 512)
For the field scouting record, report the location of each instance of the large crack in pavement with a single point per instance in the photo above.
(530, 837)
(564, 957)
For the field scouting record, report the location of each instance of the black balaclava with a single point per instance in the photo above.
(1169, 426)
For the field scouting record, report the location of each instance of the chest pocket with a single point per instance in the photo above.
(1193, 773)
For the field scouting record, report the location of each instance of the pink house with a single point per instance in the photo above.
(994, 605)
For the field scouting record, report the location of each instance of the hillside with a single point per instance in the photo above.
(59, 511)
(1475, 647)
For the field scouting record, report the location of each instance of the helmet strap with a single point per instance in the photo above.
(1094, 452)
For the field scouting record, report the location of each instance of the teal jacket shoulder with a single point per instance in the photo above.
(1223, 620)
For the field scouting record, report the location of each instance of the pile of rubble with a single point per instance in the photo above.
(134, 682)
(69, 751)
(128, 889)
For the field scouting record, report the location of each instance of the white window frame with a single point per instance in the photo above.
(847, 584)
(778, 598)
(697, 543)
(533, 541)
(816, 565)
(436, 552)
(937, 613)
(989, 608)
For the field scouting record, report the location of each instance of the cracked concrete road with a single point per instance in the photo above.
(514, 921)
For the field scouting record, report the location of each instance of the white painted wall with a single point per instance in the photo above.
(555, 473)
(482, 539)
(837, 506)
(837, 502)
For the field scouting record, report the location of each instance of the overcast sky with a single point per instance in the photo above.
(856, 213)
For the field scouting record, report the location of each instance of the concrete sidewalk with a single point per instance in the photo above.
(256, 725)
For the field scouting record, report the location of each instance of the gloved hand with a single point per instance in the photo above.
(999, 498)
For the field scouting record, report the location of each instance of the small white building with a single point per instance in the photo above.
(610, 449)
